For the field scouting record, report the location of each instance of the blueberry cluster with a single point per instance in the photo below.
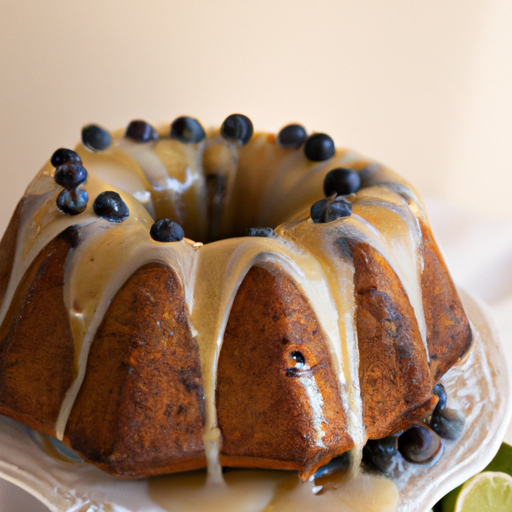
(238, 128)
(421, 443)
(338, 183)
(70, 174)
(185, 129)
(318, 147)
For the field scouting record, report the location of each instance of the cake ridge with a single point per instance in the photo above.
(83, 293)
(240, 258)
(342, 338)
(402, 250)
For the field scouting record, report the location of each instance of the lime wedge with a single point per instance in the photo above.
(502, 462)
(488, 491)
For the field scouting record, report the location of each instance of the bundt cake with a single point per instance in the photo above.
(307, 311)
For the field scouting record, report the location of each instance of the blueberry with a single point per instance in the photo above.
(62, 448)
(319, 147)
(140, 131)
(337, 209)
(419, 444)
(63, 156)
(448, 423)
(263, 232)
(238, 128)
(298, 357)
(110, 206)
(341, 182)
(380, 453)
(292, 136)
(165, 230)
(96, 138)
(296, 364)
(441, 393)
(72, 202)
(318, 210)
(336, 465)
(187, 129)
(70, 175)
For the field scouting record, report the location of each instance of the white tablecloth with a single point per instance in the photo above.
(478, 251)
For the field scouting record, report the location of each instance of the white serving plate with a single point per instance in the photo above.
(479, 387)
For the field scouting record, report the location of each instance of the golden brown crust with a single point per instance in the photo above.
(140, 408)
(37, 351)
(264, 412)
(449, 333)
(393, 370)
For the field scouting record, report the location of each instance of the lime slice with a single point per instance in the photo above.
(502, 462)
(488, 491)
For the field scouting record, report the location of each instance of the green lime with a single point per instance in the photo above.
(502, 462)
(488, 491)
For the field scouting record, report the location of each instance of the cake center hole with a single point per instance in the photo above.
(213, 213)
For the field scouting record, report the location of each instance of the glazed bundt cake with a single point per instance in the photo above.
(307, 311)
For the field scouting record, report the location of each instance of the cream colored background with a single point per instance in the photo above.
(424, 86)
